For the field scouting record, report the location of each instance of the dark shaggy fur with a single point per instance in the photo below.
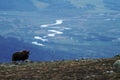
(23, 55)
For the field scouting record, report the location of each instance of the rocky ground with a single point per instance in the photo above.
(84, 69)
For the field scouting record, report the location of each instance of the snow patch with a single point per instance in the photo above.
(51, 35)
(55, 31)
(57, 23)
(40, 38)
(38, 44)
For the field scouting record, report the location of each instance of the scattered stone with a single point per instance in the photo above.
(110, 72)
(116, 66)
(28, 61)
(103, 64)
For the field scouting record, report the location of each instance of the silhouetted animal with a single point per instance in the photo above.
(18, 56)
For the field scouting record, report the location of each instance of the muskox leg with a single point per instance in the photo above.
(14, 62)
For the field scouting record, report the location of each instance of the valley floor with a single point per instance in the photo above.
(86, 69)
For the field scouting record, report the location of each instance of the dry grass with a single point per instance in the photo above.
(98, 69)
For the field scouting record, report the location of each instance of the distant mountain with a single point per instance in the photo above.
(84, 34)
(83, 5)
(79, 5)
(112, 4)
(33, 5)
(10, 45)
(16, 5)
(59, 4)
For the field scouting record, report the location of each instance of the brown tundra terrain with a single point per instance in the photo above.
(83, 69)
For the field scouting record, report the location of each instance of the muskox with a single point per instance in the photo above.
(20, 56)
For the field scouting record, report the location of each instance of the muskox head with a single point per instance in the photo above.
(20, 56)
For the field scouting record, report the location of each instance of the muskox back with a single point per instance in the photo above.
(23, 55)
